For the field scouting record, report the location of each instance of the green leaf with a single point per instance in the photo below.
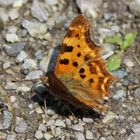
(114, 61)
(128, 40)
(116, 39)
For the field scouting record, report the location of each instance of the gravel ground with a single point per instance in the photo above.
(30, 30)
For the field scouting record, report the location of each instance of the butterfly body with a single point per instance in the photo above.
(80, 76)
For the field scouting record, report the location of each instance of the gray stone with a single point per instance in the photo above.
(34, 74)
(14, 49)
(60, 123)
(29, 64)
(137, 93)
(89, 135)
(38, 11)
(119, 94)
(21, 126)
(7, 119)
(35, 29)
(39, 55)
(120, 73)
(21, 56)
(128, 62)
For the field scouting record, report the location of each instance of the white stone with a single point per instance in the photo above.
(4, 15)
(42, 127)
(11, 37)
(87, 120)
(21, 56)
(38, 134)
(13, 14)
(13, 99)
(58, 131)
(6, 65)
(35, 29)
(109, 118)
(60, 123)
(51, 2)
(10, 85)
(23, 88)
(78, 127)
(29, 64)
(89, 135)
(47, 136)
(34, 75)
(39, 110)
(79, 136)
(50, 122)
(38, 11)
(128, 62)
(18, 3)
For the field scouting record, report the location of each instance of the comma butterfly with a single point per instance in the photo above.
(80, 75)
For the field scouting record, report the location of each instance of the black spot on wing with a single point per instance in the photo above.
(82, 70)
(91, 80)
(78, 54)
(82, 76)
(64, 61)
(68, 48)
(75, 64)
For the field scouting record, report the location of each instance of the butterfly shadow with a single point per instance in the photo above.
(63, 108)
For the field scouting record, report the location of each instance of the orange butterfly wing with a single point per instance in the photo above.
(81, 69)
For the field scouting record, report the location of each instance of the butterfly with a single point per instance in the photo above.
(80, 75)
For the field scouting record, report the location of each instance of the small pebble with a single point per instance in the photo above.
(120, 73)
(6, 65)
(52, 2)
(13, 99)
(29, 64)
(10, 86)
(13, 14)
(14, 49)
(89, 135)
(35, 29)
(39, 55)
(39, 110)
(38, 134)
(137, 93)
(109, 118)
(87, 120)
(7, 119)
(128, 62)
(21, 127)
(11, 137)
(23, 88)
(136, 128)
(79, 136)
(34, 74)
(50, 122)
(119, 94)
(42, 127)
(78, 127)
(47, 136)
(12, 37)
(38, 11)
(58, 131)
(60, 123)
(21, 56)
